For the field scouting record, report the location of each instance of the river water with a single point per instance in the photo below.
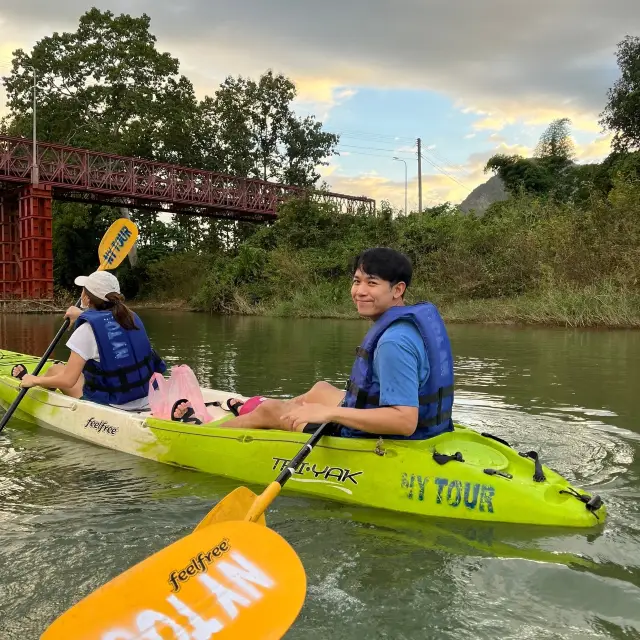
(72, 516)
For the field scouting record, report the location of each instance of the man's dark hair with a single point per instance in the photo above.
(385, 263)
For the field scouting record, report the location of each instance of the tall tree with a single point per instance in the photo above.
(306, 146)
(106, 87)
(555, 141)
(545, 172)
(261, 136)
(622, 113)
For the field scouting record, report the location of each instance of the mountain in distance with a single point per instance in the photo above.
(484, 195)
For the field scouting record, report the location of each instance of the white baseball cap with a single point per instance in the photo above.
(99, 283)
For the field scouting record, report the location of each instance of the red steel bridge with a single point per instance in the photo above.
(78, 175)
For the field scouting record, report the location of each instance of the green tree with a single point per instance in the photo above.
(547, 171)
(521, 174)
(555, 142)
(259, 134)
(622, 113)
(105, 87)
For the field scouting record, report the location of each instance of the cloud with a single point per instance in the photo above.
(318, 96)
(453, 183)
(492, 123)
(509, 59)
(594, 151)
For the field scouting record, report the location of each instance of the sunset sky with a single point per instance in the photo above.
(469, 78)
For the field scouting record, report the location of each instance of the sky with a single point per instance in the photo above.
(470, 78)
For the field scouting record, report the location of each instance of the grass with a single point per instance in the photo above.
(603, 305)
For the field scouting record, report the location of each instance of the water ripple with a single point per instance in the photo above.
(82, 515)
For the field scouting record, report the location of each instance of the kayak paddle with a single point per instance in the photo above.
(243, 504)
(114, 247)
(142, 601)
(232, 580)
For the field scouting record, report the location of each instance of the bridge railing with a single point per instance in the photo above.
(106, 177)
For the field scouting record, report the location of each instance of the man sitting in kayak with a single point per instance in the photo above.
(401, 383)
(111, 359)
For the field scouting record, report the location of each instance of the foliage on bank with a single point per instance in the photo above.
(527, 260)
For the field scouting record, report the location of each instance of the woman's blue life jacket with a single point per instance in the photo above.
(126, 364)
(435, 397)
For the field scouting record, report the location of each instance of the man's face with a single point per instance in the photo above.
(373, 296)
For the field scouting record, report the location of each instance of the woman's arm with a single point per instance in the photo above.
(68, 376)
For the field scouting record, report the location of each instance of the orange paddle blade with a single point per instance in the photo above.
(233, 506)
(231, 580)
(116, 243)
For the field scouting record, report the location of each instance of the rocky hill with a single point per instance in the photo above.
(483, 195)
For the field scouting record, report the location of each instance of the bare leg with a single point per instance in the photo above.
(75, 391)
(322, 393)
(267, 414)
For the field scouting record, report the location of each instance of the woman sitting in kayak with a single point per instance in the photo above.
(111, 359)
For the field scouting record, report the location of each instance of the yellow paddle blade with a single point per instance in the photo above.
(234, 506)
(232, 580)
(116, 243)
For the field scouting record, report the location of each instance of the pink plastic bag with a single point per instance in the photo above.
(182, 383)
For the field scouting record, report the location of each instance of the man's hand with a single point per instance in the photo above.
(299, 415)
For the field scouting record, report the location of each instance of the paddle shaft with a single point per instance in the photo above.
(36, 371)
(261, 503)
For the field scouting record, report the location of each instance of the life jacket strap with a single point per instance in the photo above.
(435, 421)
(95, 373)
(92, 385)
(365, 399)
(438, 396)
(93, 368)
(362, 397)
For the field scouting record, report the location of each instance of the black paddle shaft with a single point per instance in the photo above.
(14, 405)
(288, 471)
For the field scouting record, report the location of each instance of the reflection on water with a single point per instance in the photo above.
(83, 514)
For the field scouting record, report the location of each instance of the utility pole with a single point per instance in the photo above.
(419, 175)
(35, 178)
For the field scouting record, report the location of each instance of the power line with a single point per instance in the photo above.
(371, 155)
(394, 151)
(446, 173)
(448, 162)
(373, 137)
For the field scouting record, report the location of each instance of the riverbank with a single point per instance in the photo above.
(591, 307)
(61, 304)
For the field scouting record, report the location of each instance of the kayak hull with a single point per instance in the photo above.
(401, 476)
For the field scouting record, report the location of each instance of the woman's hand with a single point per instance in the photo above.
(73, 313)
(28, 381)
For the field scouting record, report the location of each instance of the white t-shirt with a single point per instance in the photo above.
(83, 342)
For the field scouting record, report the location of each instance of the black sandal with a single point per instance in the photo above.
(188, 416)
(20, 375)
(234, 408)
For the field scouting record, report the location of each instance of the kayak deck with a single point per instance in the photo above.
(462, 474)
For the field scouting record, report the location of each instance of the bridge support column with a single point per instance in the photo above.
(9, 247)
(36, 251)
